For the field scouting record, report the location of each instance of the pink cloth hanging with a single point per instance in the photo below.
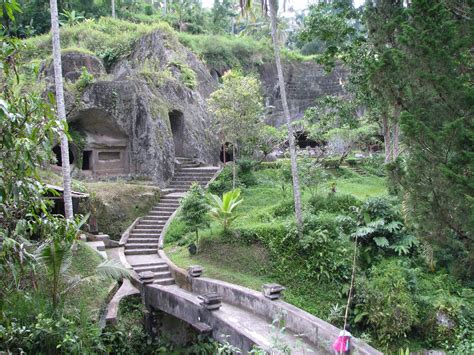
(341, 343)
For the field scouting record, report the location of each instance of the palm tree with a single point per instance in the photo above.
(56, 258)
(273, 5)
(61, 110)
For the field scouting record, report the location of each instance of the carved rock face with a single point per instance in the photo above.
(126, 117)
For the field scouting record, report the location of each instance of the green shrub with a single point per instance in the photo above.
(284, 208)
(331, 163)
(245, 171)
(335, 203)
(187, 75)
(321, 255)
(84, 79)
(48, 335)
(374, 165)
(270, 164)
(352, 161)
(225, 52)
(223, 182)
(263, 232)
(384, 302)
(176, 231)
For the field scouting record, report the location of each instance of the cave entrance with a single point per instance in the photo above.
(303, 141)
(226, 153)
(87, 160)
(177, 129)
(57, 153)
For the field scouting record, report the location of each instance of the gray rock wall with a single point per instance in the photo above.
(305, 82)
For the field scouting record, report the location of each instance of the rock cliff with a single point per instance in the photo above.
(150, 108)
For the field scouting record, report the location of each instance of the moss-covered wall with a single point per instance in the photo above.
(115, 205)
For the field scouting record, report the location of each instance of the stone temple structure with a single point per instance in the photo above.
(137, 115)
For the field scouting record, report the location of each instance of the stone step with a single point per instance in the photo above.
(146, 235)
(156, 221)
(141, 251)
(139, 230)
(152, 224)
(146, 226)
(186, 183)
(180, 189)
(171, 201)
(194, 172)
(156, 262)
(140, 240)
(184, 159)
(186, 178)
(187, 165)
(159, 214)
(160, 275)
(168, 203)
(164, 282)
(153, 268)
(188, 173)
(202, 168)
(163, 208)
(141, 245)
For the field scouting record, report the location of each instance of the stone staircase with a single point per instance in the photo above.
(187, 172)
(144, 237)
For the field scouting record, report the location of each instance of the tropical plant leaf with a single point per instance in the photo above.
(381, 242)
(393, 226)
(113, 269)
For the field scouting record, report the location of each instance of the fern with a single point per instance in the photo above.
(381, 242)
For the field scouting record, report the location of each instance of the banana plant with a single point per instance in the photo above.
(223, 209)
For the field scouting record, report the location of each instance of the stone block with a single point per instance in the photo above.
(195, 270)
(146, 277)
(211, 301)
(272, 291)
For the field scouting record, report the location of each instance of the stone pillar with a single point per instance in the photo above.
(195, 271)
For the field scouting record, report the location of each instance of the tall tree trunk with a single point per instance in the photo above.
(291, 137)
(234, 167)
(396, 132)
(386, 138)
(113, 8)
(164, 6)
(61, 110)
